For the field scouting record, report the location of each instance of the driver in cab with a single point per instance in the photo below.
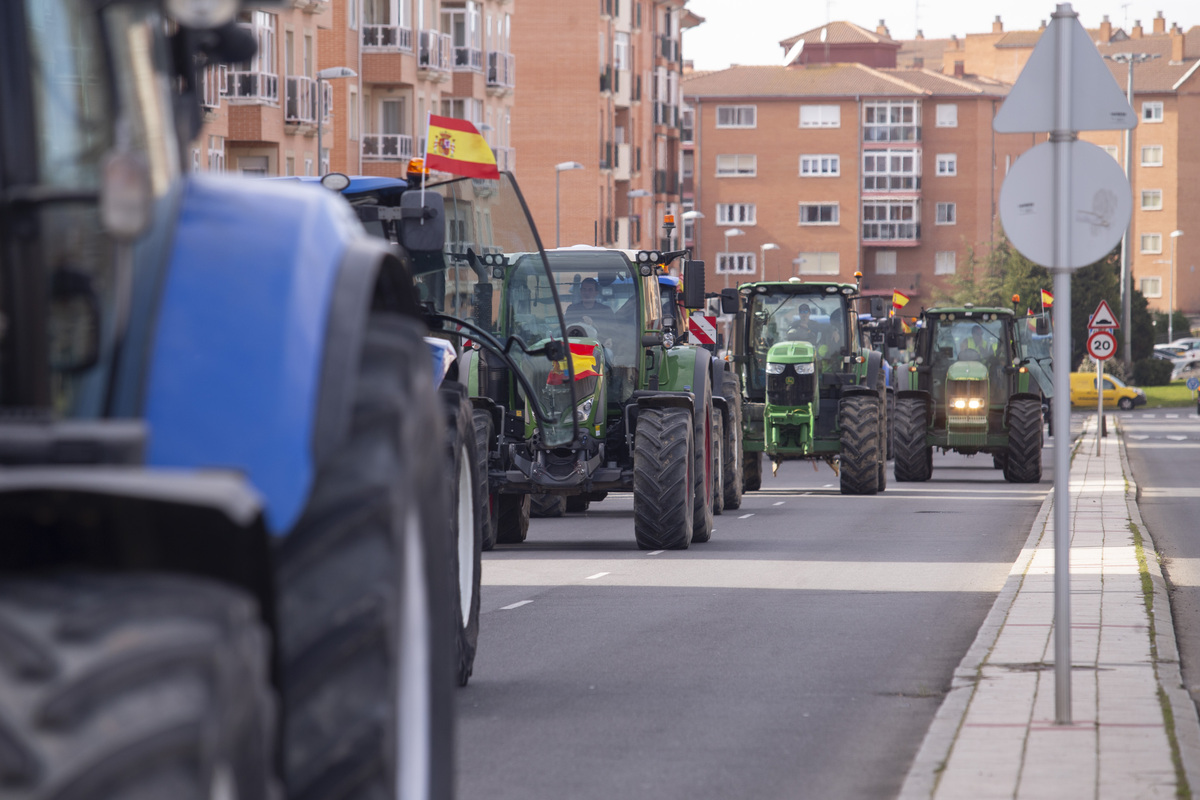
(589, 308)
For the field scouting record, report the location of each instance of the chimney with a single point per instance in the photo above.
(1105, 30)
(1160, 23)
(882, 30)
(1176, 44)
(1042, 25)
(920, 34)
(1136, 31)
(959, 71)
(997, 26)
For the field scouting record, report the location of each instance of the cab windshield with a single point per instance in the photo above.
(957, 338)
(817, 318)
(1035, 345)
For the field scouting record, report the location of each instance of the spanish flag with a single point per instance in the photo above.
(899, 299)
(1047, 299)
(456, 146)
(583, 359)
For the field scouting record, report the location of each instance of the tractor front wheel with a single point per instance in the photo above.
(858, 419)
(547, 505)
(914, 458)
(512, 518)
(751, 470)
(663, 486)
(731, 442)
(1024, 461)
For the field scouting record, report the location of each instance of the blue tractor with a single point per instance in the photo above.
(226, 566)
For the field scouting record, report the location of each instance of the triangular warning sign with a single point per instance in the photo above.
(1103, 317)
(1097, 101)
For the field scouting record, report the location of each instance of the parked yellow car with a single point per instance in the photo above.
(1116, 393)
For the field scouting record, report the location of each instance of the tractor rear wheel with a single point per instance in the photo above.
(547, 505)
(718, 438)
(702, 467)
(133, 686)
(731, 442)
(913, 456)
(891, 425)
(468, 516)
(752, 470)
(858, 419)
(512, 518)
(484, 427)
(663, 485)
(578, 503)
(1024, 461)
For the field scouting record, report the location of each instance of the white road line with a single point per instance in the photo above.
(828, 486)
(517, 604)
(777, 504)
(654, 553)
(1137, 436)
(1148, 416)
(1178, 438)
(1172, 416)
(745, 516)
(597, 575)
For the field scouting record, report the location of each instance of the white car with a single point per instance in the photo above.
(1186, 368)
(1189, 344)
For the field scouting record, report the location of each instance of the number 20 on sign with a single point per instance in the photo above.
(1101, 345)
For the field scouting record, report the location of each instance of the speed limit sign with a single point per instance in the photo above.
(1101, 345)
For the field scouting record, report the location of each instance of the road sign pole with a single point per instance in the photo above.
(1099, 402)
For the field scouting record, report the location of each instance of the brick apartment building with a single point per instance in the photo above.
(600, 88)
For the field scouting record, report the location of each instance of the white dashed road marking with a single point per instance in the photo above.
(777, 504)
(745, 516)
(517, 604)
(656, 552)
(597, 575)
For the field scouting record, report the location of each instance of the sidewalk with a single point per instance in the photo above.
(1134, 731)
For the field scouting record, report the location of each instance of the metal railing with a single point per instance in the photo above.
(387, 147)
(891, 231)
(468, 58)
(668, 48)
(300, 101)
(502, 69)
(252, 86)
(434, 51)
(212, 85)
(892, 133)
(665, 114)
(387, 37)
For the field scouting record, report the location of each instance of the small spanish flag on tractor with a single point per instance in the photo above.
(899, 299)
(1047, 299)
(583, 359)
(456, 146)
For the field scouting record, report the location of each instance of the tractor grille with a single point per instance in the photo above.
(789, 389)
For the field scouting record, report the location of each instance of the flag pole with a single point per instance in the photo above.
(425, 162)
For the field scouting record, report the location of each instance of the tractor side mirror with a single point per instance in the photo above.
(422, 224)
(1042, 326)
(693, 284)
(652, 339)
(729, 301)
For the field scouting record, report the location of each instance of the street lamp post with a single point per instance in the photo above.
(559, 169)
(728, 233)
(764, 248)
(325, 75)
(1171, 302)
(692, 216)
(633, 195)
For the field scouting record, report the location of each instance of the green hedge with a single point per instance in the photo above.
(1152, 372)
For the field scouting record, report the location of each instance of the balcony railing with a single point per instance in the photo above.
(891, 183)
(891, 232)
(665, 114)
(261, 86)
(387, 147)
(212, 86)
(668, 48)
(468, 59)
(387, 37)
(892, 133)
(434, 51)
(502, 69)
(300, 104)
(666, 182)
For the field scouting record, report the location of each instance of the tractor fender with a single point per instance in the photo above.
(255, 350)
(874, 365)
(682, 368)
(1019, 396)
(919, 394)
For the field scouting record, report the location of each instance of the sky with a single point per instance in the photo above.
(749, 31)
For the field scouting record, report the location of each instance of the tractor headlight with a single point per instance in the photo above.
(775, 369)
(583, 410)
(805, 369)
(960, 404)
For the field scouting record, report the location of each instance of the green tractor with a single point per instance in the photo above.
(975, 385)
(646, 409)
(811, 388)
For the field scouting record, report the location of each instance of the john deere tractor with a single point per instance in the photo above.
(970, 389)
(644, 405)
(811, 388)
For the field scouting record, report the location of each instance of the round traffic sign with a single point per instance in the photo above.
(1193, 383)
(1101, 345)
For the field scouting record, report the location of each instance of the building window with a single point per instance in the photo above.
(735, 213)
(892, 121)
(891, 220)
(885, 262)
(947, 213)
(736, 264)
(817, 263)
(1152, 111)
(1111, 149)
(1150, 287)
(820, 166)
(947, 115)
(947, 164)
(891, 170)
(1152, 155)
(737, 166)
(1152, 200)
(944, 262)
(818, 213)
(254, 166)
(820, 116)
(289, 166)
(195, 159)
(736, 116)
(1151, 242)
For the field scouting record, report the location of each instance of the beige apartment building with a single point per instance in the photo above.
(600, 89)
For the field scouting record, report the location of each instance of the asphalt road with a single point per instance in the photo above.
(802, 653)
(1164, 454)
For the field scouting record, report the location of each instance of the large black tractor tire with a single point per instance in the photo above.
(1024, 461)
(702, 469)
(512, 518)
(858, 419)
(751, 470)
(913, 460)
(366, 598)
(133, 686)
(484, 430)
(885, 432)
(718, 439)
(547, 505)
(731, 445)
(663, 485)
(891, 425)
(578, 503)
(468, 506)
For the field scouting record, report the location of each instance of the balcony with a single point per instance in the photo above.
(387, 38)
(606, 79)
(506, 158)
(501, 70)
(668, 48)
(665, 182)
(623, 163)
(387, 147)
(607, 155)
(665, 114)
(468, 59)
(257, 87)
(433, 55)
(622, 88)
(892, 133)
(300, 103)
(212, 86)
(892, 183)
(891, 234)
